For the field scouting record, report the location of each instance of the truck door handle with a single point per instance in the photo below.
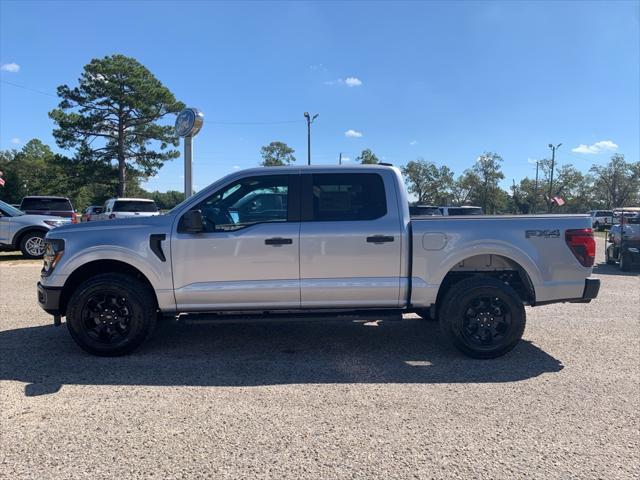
(379, 239)
(278, 241)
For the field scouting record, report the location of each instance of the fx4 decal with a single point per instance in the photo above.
(542, 233)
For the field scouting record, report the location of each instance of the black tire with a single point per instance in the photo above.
(482, 317)
(111, 314)
(424, 314)
(607, 258)
(625, 262)
(32, 244)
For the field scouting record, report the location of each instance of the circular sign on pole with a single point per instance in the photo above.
(189, 122)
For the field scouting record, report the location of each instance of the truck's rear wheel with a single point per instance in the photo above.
(482, 317)
(607, 258)
(111, 314)
(625, 261)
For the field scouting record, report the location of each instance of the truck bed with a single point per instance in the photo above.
(532, 245)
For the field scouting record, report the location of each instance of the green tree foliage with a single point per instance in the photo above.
(367, 157)
(617, 184)
(112, 115)
(167, 200)
(36, 170)
(488, 171)
(277, 154)
(464, 188)
(429, 183)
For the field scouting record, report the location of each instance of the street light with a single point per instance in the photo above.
(553, 163)
(310, 120)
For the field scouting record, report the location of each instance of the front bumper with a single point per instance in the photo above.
(49, 299)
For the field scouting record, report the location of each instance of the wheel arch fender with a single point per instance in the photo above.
(515, 255)
(17, 237)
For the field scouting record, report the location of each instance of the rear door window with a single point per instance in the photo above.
(134, 206)
(347, 197)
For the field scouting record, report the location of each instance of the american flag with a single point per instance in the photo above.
(558, 200)
(1, 180)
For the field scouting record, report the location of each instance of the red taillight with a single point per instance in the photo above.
(74, 217)
(582, 245)
(112, 216)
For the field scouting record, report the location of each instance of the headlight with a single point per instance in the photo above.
(55, 223)
(53, 251)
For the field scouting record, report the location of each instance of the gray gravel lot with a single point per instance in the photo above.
(323, 400)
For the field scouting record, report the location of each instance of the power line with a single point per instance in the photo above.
(29, 89)
(214, 122)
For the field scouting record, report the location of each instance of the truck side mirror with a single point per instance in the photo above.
(192, 222)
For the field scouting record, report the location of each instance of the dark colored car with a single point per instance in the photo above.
(424, 211)
(46, 205)
(90, 212)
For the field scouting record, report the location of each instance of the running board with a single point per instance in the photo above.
(358, 316)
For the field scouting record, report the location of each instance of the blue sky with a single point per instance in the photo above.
(443, 81)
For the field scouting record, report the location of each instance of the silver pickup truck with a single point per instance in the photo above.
(311, 242)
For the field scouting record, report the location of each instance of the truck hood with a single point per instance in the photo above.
(161, 221)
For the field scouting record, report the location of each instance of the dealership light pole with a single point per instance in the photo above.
(553, 164)
(535, 192)
(188, 124)
(310, 120)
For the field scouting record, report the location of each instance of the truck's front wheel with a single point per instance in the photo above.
(483, 317)
(111, 314)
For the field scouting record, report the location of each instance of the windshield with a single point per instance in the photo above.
(9, 210)
(134, 206)
(465, 211)
(426, 211)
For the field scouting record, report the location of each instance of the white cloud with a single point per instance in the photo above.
(10, 67)
(352, 133)
(413, 142)
(349, 82)
(15, 141)
(352, 82)
(236, 167)
(598, 147)
(345, 159)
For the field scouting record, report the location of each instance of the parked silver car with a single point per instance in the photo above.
(20, 231)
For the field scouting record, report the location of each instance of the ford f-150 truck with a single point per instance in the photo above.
(340, 241)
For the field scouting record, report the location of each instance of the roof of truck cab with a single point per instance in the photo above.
(53, 197)
(133, 199)
(312, 168)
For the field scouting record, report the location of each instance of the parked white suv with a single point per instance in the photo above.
(601, 219)
(128, 207)
(20, 231)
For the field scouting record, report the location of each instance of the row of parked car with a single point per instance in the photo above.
(24, 226)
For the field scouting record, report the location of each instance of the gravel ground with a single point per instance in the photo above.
(333, 400)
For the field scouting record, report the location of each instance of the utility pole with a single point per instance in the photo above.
(535, 191)
(310, 120)
(340, 159)
(553, 163)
